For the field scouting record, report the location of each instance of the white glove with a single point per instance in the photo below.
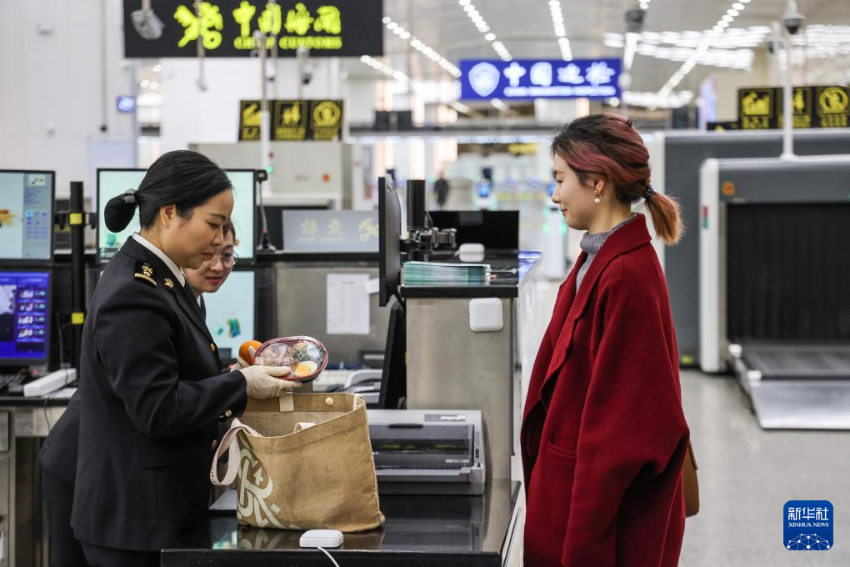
(240, 364)
(266, 382)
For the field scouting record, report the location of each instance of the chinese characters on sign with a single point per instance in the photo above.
(226, 27)
(530, 79)
(330, 231)
(292, 120)
(797, 514)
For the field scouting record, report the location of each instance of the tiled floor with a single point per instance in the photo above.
(747, 474)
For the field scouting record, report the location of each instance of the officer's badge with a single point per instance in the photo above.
(168, 283)
(146, 273)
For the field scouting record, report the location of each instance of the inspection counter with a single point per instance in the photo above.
(444, 531)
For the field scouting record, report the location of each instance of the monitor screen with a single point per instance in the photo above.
(24, 317)
(113, 182)
(231, 312)
(26, 215)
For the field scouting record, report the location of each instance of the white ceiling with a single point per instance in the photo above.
(525, 28)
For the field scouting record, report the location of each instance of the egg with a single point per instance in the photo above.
(305, 368)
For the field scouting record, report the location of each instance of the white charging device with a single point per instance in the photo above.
(471, 252)
(321, 538)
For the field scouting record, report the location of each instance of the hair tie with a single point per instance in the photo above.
(130, 197)
(648, 193)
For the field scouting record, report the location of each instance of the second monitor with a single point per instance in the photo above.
(114, 182)
(231, 313)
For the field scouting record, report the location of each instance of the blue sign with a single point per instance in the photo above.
(808, 525)
(126, 104)
(530, 78)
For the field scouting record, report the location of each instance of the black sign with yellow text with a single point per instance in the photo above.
(329, 28)
(292, 120)
(761, 108)
(832, 107)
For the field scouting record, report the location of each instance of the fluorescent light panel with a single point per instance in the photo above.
(421, 47)
(481, 24)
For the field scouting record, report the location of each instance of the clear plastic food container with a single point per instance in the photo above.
(305, 356)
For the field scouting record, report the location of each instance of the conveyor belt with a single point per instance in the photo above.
(792, 362)
(797, 386)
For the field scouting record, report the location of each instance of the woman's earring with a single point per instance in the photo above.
(598, 199)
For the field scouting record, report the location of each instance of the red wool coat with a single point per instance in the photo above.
(603, 434)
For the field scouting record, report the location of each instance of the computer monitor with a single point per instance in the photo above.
(389, 240)
(24, 317)
(26, 216)
(114, 182)
(231, 313)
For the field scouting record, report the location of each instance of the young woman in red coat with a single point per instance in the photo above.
(603, 434)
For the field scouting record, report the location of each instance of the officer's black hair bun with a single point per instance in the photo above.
(120, 211)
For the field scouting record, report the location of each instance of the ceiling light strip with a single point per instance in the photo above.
(716, 32)
(481, 24)
(421, 47)
(560, 29)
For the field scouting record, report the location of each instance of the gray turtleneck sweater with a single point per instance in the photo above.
(592, 243)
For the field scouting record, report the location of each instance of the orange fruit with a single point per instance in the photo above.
(245, 354)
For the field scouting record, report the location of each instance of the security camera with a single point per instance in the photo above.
(792, 19)
(305, 66)
(634, 20)
(147, 24)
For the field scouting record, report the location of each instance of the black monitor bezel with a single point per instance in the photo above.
(387, 289)
(37, 262)
(96, 202)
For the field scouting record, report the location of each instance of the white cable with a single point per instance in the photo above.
(323, 550)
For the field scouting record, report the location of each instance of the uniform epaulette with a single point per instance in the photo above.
(144, 272)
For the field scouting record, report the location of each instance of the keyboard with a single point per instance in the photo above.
(7, 380)
(332, 378)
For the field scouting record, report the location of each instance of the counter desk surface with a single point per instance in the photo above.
(449, 531)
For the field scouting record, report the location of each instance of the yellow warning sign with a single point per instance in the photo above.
(249, 120)
(755, 108)
(326, 119)
(833, 107)
(801, 105)
(833, 100)
(290, 120)
(757, 103)
(327, 114)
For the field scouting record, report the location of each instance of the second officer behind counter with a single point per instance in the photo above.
(151, 394)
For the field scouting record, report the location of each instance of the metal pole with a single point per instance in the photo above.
(265, 122)
(104, 87)
(275, 58)
(788, 130)
(201, 82)
(776, 38)
(78, 279)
